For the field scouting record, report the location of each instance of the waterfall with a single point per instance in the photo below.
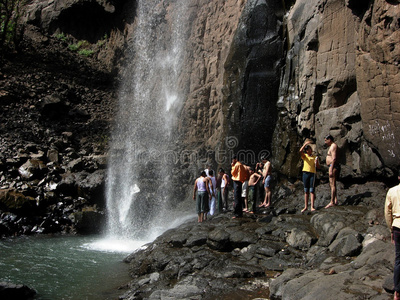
(137, 187)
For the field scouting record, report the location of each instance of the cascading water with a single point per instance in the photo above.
(137, 179)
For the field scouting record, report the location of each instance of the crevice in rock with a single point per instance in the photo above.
(84, 21)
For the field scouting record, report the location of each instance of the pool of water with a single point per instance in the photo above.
(67, 267)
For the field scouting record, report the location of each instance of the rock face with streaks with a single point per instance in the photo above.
(261, 76)
(340, 78)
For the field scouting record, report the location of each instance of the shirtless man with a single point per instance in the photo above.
(224, 188)
(267, 181)
(334, 168)
(253, 180)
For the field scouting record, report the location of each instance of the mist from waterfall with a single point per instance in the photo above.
(138, 174)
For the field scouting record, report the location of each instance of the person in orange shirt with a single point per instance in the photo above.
(239, 175)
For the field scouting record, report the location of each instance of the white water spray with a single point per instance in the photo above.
(137, 179)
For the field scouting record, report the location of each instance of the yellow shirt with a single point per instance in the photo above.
(309, 163)
(239, 172)
(392, 207)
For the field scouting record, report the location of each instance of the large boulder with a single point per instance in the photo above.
(32, 169)
(88, 221)
(10, 291)
(12, 200)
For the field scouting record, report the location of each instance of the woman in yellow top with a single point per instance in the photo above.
(309, 172)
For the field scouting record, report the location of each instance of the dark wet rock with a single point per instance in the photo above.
(53, 155)
(218, 239)
(329, 224)
(10, 291)
(53, 107)
(11, 200)
(32, 169)
(347, 243)
(88, 221)
(301, 239)
(345, 247)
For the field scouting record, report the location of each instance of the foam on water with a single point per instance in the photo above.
(115, 245)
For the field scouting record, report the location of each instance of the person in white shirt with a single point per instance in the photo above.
(392, 217)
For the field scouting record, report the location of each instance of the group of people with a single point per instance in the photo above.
(245, 185)
(245, 181)
(212, 193)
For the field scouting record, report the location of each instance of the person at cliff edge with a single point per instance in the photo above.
(392, 216)
(239, 175)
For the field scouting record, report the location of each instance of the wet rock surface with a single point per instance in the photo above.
(16, 291)
(342, 252)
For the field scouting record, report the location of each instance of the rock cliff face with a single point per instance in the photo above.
(260, 81)
(234, 78)
(340, 79)
(258, 78)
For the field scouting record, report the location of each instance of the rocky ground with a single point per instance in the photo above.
(339, 253)
(55, 121)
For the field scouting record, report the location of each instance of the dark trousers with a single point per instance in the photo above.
(224, 196)
(219, 201)
(251, 199)
(396, 271)
(238, 201)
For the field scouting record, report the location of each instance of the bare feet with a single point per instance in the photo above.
(313, 209)
(304, 209)
(330, 205)
(267, 205)
(396, 296)
(262, 205)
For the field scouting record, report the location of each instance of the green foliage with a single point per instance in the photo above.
(86, 52)
(82, 47)
(10, 28)
(74, 47)
(61, 36)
